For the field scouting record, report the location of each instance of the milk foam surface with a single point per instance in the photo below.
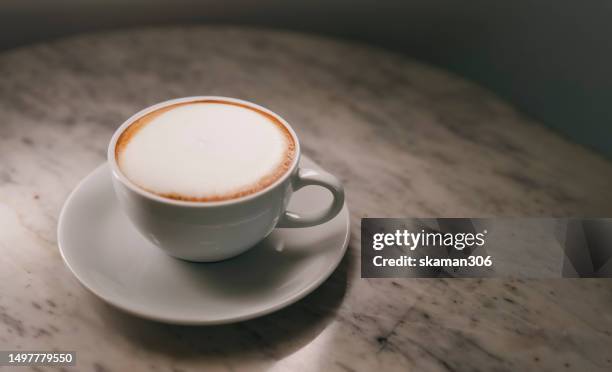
(205, 150)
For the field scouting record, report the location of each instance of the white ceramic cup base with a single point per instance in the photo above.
(111, 258)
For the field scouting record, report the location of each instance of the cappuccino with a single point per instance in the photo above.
(207, 150)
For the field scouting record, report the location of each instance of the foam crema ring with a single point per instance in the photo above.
(205, 150)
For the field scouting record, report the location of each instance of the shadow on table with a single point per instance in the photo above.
(272, 336)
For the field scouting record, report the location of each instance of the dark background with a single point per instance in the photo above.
(550, 58)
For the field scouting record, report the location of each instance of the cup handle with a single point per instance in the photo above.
(306, 177)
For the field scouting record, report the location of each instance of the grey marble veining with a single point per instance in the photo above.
(406, 139)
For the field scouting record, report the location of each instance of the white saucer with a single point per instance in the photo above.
(111, 259)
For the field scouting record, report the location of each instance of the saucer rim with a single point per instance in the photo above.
(192, 321)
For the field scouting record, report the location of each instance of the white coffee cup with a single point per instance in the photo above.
(217, 230)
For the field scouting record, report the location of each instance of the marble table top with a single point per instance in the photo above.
(406, 140)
